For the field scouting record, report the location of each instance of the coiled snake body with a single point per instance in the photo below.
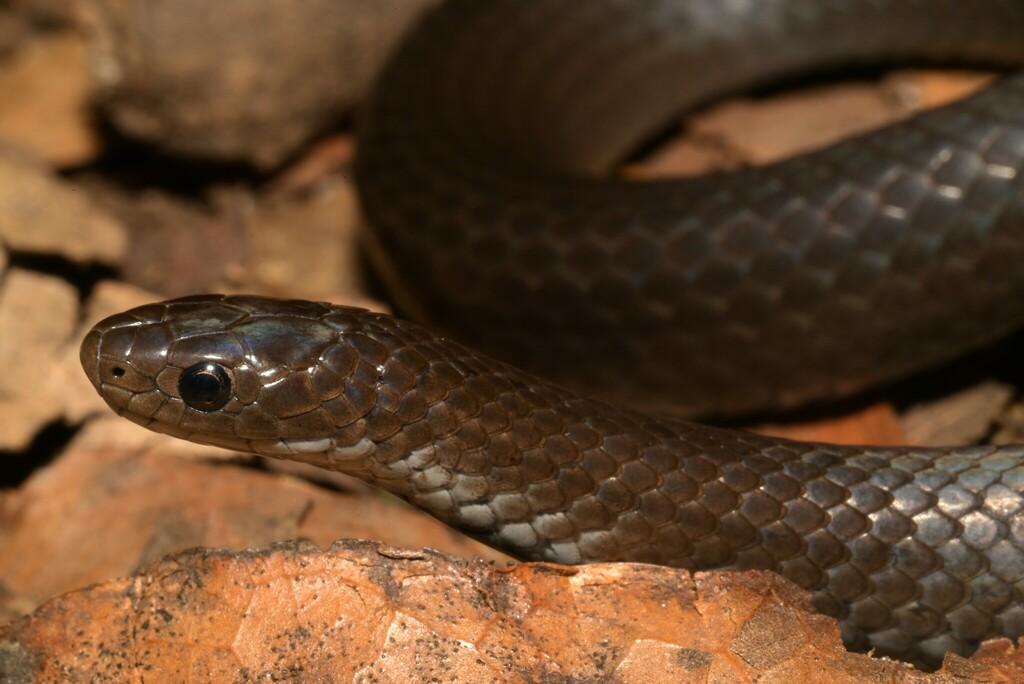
(477, 172)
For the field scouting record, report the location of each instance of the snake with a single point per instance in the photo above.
(483, 172)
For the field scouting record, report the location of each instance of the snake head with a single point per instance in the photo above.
(275, 377)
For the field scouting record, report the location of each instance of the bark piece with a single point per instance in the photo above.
(14, 29)
(51, 114)
(39, 313)
(965, 417)
(41, 214)
(876, 424)
(362, 611)
(237, 80)
(37, 316)
(320, 261)
(179, 245)
(744, 131)
(94, 515)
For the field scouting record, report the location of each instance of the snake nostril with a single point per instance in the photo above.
(117, 372)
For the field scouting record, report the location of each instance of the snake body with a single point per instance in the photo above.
(916, 551)
(479, 170)
(481, 174)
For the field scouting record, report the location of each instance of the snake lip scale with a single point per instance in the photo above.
(915, 550)
(482, 172)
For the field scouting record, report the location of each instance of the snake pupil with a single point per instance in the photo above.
(206, 386)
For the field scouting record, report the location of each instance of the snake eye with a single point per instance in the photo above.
(205, 386)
